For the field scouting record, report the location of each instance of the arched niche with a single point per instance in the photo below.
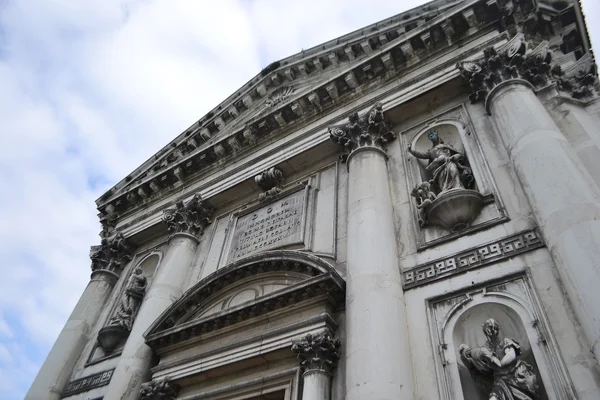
(513, 305)
(149, 264)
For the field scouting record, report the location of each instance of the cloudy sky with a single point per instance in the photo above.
(89, 90)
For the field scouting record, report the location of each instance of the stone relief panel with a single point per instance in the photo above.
(494, 343)
(450, 182)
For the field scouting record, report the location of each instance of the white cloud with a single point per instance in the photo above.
(90, 89)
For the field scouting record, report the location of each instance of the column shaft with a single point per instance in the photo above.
(378, 361)
(317, 385)
(167, 285)
(58, 366)
(565, 203)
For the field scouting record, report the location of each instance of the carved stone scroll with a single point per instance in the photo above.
(191, 217)
(369, 130)
(271, 181)
(318, 352)
(111, 255)
(159, 389)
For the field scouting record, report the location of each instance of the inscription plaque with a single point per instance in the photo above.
(278, 224)
(88, 383)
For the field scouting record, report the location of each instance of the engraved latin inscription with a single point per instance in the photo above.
(278, 224)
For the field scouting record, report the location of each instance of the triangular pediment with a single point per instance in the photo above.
(295, 90)
(246, 289)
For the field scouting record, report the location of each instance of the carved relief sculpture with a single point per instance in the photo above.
(497, 368)
(369, 130)
(191, 217)
(318, 352)
(159, 389)
(111, 255)
(447, 199)
(271, 181)
(121, 323)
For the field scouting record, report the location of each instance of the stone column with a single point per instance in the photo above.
(318, 355)
(378, 364)
(186, 222)
(565, 203)
(108, 261)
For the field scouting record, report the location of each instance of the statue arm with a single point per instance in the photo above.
(417, 153)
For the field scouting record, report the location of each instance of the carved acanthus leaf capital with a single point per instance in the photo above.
(111, 255)
(514, 60)
(271, 181)
(369, 130)
(159, 389)
(191, 217)
(581, 79)
(318, 352)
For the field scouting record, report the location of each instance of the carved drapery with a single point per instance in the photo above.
(159, 389)
(271, 181)
(318, 352)
(191, 217)
(369, 130)
(111, 255)
(517, 60)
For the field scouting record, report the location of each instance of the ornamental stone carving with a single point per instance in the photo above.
(496, 366)
(271, 181)
(580, 80)
(121, 323)
(447, 198)
(369, 130)
(513, 61)
(159, 389)
(191, 217)
(111, 255)
(318, 352)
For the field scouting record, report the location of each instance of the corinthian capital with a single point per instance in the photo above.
(111, 255)
(515, 60)
(317, 352)
(191, 217)
(369, 130)
(159, 389)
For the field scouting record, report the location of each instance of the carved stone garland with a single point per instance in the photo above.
(318, 352)
(191, 217)
(516, 60)
(369, 130)
(159, 389)
(111, 255)
(271, 181)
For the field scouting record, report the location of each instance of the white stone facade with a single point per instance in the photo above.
(344, 225)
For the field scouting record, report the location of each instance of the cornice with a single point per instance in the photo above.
(384, 58)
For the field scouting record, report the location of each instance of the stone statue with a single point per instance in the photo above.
(136, 288)
(424, 197)
(446, 164)
(497, 369)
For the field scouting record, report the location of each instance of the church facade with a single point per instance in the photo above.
(410, 211)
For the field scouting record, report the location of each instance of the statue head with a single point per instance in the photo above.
(491, 329)
(137, 271)
(434, 137)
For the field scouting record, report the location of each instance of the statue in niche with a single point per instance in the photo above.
(136, 288)
(496, 367)
(446, 198)
(447, 166)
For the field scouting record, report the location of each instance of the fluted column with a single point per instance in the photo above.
(565, 203)
(377, 354)
(108, 260)
(186, 222)
(318, 355)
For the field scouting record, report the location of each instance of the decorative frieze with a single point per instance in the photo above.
(271, 181)
(369, 130)
(159, 389)
(472, 258)
(111, 255)
(318, 352)
(88, 383)
(191, 217)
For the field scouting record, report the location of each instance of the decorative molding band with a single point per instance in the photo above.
(111, 255)
(88, 383)
(475, 257)
(318, 352)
